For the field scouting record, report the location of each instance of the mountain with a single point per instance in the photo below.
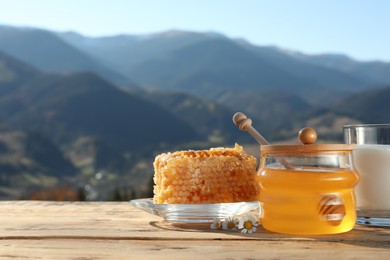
(378, 71)
(122, 52)
(124, 56)
(327, 123)
(188, 61)
(38, 151)
(214, 65)
(370, 107)
(236, 74)
(13, 72)
(30, 160)
(206, 117)
(333, 76)
(366, 107)
(272, 111)
(330, 77)
(66, 107)
(45, 51)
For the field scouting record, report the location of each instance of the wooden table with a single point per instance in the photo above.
(101, 230)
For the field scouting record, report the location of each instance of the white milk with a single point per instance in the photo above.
(373, 164)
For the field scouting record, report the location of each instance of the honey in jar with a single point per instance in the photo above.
(307, 189)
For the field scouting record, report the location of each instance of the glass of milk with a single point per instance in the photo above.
(372, 161)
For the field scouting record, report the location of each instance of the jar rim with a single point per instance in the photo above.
(307, 148)
(366, 125)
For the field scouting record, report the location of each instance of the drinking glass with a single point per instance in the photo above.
(372, 161)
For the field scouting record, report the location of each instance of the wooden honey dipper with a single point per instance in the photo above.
(245, 124)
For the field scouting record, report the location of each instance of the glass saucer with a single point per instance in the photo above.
(195, 213)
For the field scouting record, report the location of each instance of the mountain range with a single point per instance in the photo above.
(65, 107)
(47, 52)
(189, 61)
(76, 106)
(202, 64)
(73, 113)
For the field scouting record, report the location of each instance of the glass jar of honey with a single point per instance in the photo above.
(307, 189)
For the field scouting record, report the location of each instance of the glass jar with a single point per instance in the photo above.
(308, 189)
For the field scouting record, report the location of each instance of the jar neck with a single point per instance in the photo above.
(327, 161)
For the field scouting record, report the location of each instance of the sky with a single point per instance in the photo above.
(358, 28)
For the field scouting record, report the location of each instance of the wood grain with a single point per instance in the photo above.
(100, 230)
(109, 249)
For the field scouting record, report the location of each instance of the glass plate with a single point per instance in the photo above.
(196, 213)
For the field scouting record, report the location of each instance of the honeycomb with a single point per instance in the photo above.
(218, 175)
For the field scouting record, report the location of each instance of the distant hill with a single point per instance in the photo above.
(206, 117)
(99, 129)
(371, 106)
(367, 107)
(45, 51)
(123, 52)
(27, 150)
(14, 72)
(66, 107)
(329, 77)
(188, 62)
(215, 64)
(270, 83)
(378, 71)
(272, 111)
(30, 161)
(327, 123)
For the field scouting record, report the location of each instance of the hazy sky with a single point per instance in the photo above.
(359, 28)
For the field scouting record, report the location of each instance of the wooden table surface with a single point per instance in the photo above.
(104, 230)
